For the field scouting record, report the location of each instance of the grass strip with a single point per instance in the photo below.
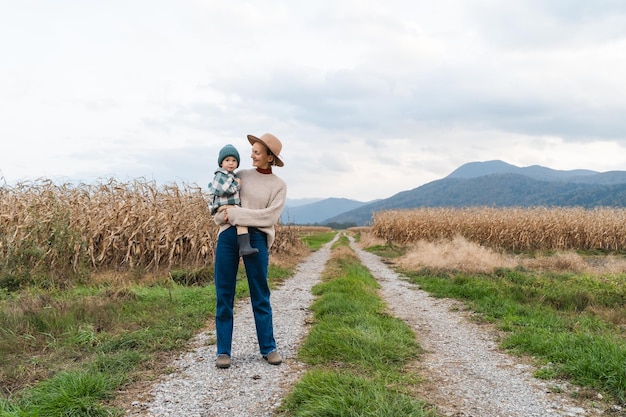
(357, 351)
(316, 240)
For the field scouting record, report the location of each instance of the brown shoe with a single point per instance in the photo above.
(273, 358)
(222, 361)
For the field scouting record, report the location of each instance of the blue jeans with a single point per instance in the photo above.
(226, 266)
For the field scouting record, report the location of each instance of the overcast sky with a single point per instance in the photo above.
(369, 98)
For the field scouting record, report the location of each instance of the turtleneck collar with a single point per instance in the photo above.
(264, 171)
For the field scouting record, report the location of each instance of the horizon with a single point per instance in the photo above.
(299, 201)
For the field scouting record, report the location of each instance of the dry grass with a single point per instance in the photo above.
(569, 261)
(459, 254)
(310, 229)
(369, 239)
(359, 229)
(456, 254)
(288, 247)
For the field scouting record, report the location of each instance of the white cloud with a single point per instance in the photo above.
(369, 98)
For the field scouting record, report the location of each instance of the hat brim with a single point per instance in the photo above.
(253, 139)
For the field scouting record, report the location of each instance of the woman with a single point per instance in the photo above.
(263, 196)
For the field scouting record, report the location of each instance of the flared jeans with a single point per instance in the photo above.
(226, 267)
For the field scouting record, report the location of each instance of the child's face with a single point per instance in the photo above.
(229, 163)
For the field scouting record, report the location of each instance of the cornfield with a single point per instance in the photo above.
(515, 229)
(65, 229)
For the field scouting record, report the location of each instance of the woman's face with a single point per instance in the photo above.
(260, 156)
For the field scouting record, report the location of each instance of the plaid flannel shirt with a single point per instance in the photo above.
(224, 190)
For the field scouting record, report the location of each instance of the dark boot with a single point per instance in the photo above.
(244, 245)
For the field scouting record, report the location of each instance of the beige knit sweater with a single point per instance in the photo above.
(263, 197)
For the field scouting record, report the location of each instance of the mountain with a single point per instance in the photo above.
(318, 211)
(480, 169)
(610, 177)
(498, 184)
(297, 202)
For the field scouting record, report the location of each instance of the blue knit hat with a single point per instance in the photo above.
(228, 150)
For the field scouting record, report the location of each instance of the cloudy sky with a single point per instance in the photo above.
(369, 98)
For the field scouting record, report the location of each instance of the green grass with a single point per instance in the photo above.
(341, 241)
(356, 351)
(388, 251)
(84, 344)
(574, 323)
(316, 240)
(67, 352)
(325, 393)
(77, 393)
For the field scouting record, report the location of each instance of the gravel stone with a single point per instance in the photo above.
(465, 372)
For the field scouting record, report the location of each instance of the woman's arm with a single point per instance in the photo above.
(262, 217)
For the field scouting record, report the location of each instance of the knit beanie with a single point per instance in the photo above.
(228, 150)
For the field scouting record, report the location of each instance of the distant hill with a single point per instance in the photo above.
(317, 212)
(537, 172)
(498, 184)
(297, 202)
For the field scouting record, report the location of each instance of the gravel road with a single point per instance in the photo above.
(250, 387)
(465, 373)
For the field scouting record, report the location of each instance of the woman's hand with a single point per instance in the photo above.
(221, 217)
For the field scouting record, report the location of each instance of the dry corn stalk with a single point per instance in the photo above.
(516, 229)
(110, 225)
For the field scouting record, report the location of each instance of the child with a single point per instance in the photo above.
(224, 192)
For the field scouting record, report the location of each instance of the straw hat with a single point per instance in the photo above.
(272, 143)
